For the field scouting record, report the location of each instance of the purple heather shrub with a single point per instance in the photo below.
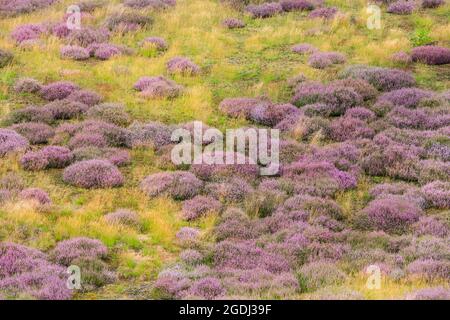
(264, 10)
(66, 109)
(383, 79)
(208, 288)
(178, 185)
(432, 170)
(324, 13)
(87, 36)
(183, 66)
(240, 107)
(406, 97)
(15, 7)
(315, 275)
(322, 60)
(31, 114)
(93, 174)
(127, 21)
(123, 217)
(58, 90)
(427, 247)
(171, 284)
(11, 141)
(27, 85)
(60, 30)
(35, 132)
(391, 214)
(26, 32)
(401, 57)
(433, 293)
(67, 251)
(430, 4)
(26, 272)
(401, 7)
(87, 97)
(437, 194)
(401, 117)
(361, 113)
(110, 112)
(153, 4)
(33, 161)
(36, 194)
(158, 43)
(158, 87)
(74, 53)
(430, 226)
(233, 190)
(199, 206)
(432, 55)
(300, 5)
(429, 268)
(361, 86)
(247, 255)
(191, 257)
(233, 23)
(188, 235)
(272, 114)
(56, 156)
(235, 224)
(115, 136)
(304, 48)
(104, 51)
(83, 140)
(155, 133)
(318, 251)
(349, 128)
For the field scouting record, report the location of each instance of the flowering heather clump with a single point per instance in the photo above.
(207, 288)
(191, 257)
(432, 55)
(240, 107)
(104, 51)
(5, 58)
(199, 206)
(26, 32)
(155, 133)
(183, 66)
(159, 43)
(66, 109)
(264, 10)
(58, 90)
(11, 141)
(60, 30)
(406, 97)
(67, 251)
(401, 117)
(391, 214)
(35, 194)
(171, 284)
(82, 140)
(383, 79)
(27, 85)
(349, 128)
(321, 60)
(110, 112)
(293, 5)
(401, 57)
(35, 132)
(74, 53)
(360, 113)
(324, 13)
(315, 206)
(31, 114)
(233, 23)
(428, 4)
(117, 157)
(127, 21)
(432, 170)
(178, 185)
(437, 194)
(401, 7)
(361, 87)
(272, 114)
(319, 274)
(429, 268)
(123, 217)
(86, 36)
(187, 234)
(233, 190)
(430, 226)
(26, 272)
(153, 4)
(304, 48)
(158, 87)
(87, 97)
(434, 293)
(33, 161)
(93, 174)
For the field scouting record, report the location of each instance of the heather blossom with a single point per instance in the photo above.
(35, 132)
(183, 66)
(178, 184)
(26, 32)
(11, 141)
(401, 7)
(199, 206)
(58, 90)
(74, 53)
(158, 87)
(36, 194)
(27, 85)
(432, 55)
(93, 174)
(264, 10)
